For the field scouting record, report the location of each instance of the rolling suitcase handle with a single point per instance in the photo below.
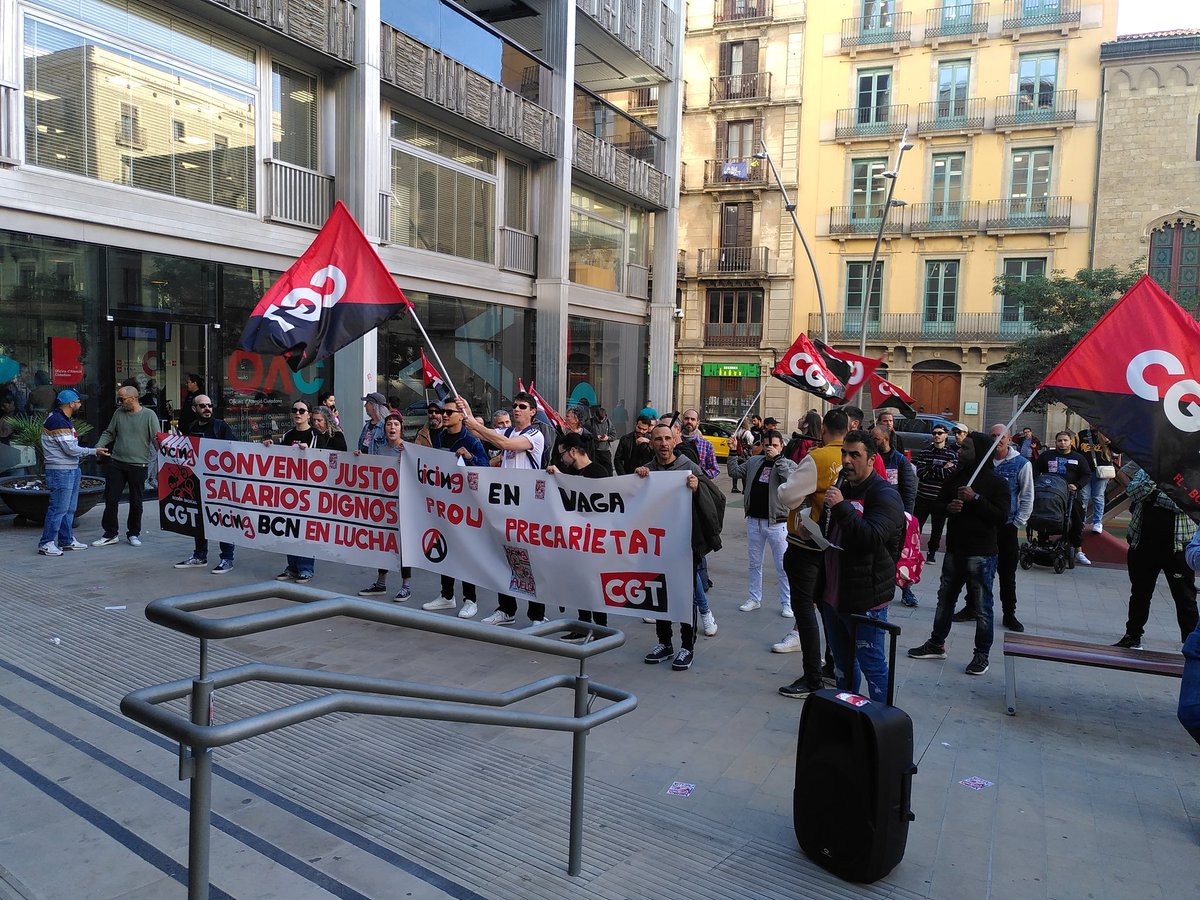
(892, 629)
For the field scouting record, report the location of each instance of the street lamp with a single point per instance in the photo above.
(888, 203)
(791, 208)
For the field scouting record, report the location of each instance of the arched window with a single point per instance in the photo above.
(1175, 260)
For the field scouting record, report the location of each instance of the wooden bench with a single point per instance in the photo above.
(1032, 646)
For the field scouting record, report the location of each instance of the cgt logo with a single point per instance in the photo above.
(1184, 416)
(635, 590)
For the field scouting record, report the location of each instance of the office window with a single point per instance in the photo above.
(1012, 312)
(1175, 261)
(516, 195)
(294, 117)
(857, 274)
(941, 292)
(598, 230)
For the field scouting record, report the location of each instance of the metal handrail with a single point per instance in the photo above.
(356, 693)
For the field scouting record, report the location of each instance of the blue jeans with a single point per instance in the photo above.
(1094, 491)
(201, 550)
(699, 594)
(867, 658)
(1189, 689)
(976, 573)
(301, 565)
(64, 497)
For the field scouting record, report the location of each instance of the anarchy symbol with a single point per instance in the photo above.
(433, 545)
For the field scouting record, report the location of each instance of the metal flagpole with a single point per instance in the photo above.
(746, 414)
(996, 439)
(412, 311)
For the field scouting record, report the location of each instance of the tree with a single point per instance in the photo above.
(1061, 310)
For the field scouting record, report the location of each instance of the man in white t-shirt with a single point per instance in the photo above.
(521, 447)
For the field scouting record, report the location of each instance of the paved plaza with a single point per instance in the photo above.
(1093, 788)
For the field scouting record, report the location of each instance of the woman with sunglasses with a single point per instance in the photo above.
(393, 431)
(299, 569)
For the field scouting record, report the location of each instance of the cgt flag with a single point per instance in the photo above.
(858, 368)
(555, 419)
(1134, 377)
(884, 393)
(333, 294)
(804, 367)
(433, 380)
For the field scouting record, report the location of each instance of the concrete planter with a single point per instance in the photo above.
(29, 498)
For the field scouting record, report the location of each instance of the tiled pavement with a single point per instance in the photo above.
(1095, 787)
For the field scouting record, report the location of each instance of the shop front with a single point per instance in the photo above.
(727, 388)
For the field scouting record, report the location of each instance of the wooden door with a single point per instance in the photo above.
(936, 391)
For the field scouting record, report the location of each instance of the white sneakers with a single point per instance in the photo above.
(134, 540)
(709, 622)
(469, 610)
(789, 644)
(1081, 559)
(74, 545)
(49, 549)
(499, 617)
(1098, 528)
(786, 611)
(750, 606)
(106, 541)
(440, 602)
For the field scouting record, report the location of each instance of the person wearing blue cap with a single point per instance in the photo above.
(62, 453)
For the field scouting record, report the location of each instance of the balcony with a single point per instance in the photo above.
(863, 220)
(876, 32)
(870, 122)
(297, 196)
(733, 262)
(645, 27)
(944, 217)
(914, 327)
(10, 104)
(1035, 109)
(951, 116)
(726, 11)
(1029, 214)
(643, 99)
(732, 334)
(751, 86)
(324, 25)
(431, 75)
(743, 172)
(956, 22)
(617, 149)
(518, 251)
(1023, 16)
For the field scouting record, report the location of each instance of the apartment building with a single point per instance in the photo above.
(161, 163)
(999, 102)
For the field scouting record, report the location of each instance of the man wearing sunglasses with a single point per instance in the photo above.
(521, 447)
(934, 462)
(206, 425)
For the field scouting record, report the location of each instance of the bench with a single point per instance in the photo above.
(1032, 646)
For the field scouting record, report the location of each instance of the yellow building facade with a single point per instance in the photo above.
(999, 102)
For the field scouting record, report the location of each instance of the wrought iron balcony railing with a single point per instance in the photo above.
(734, 172)
(871, 121)
(1029, 213)
(965, 326)
(864, 219)
(951, 115)
(732, 262)
(956, 21)
(1036, 108)
(735, 88)
(943, 216)
(864, 32)
(732, 334)
(740, 10)
(1039, 15)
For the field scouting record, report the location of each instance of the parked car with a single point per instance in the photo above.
(918, 431)
(719, 435)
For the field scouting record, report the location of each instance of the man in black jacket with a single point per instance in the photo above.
(975, 511)
(634, 450)
(865, 528)
(204, 425)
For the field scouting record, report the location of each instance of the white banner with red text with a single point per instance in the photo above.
(619, 545)
(320, 503)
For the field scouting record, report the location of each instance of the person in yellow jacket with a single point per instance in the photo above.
(804, 493)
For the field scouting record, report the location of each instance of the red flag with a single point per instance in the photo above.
(884, 393)
(553, 416)
(1134, 376)
(861, 368)
(331, 296)
(803, 367)
(433, 379)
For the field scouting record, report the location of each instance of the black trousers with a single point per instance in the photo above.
(928, 509)
(448, 589)
(1145, 564)
(508, 605)
(117, 476)
(1008, 552)
(803, 568)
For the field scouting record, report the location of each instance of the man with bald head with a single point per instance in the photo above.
(204, 424)
(131, 436)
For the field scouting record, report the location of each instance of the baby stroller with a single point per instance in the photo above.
(1047, 542)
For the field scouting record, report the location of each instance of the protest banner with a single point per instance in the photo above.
(320, 503)
(619, 545)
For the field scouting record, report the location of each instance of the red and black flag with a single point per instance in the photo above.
(1134, 377)
(433, 380)
(333, 295)
(805, 368)
(884, 393)
(858, 368)
(555, 419)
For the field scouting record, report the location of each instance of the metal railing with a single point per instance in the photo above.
(326, 25)
(863, 220)
(518, 251)
(740, 10)
(596, 116)
(297, 196)
(871, 121)
(732, 88)
(944, 215)
(10, 100)
(913, 326)
(644, 98)
(956, 20)
(868, 31)
(1036, 108)
(746, 262)
(1033, 213)
(966, 114)
(637, 281)
(733, 334)
(743, 170)
(198, 736)
(385, 217)
(1039, 15)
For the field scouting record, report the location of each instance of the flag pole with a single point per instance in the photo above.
(996, 439)
(432, 349)
(746, 414)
